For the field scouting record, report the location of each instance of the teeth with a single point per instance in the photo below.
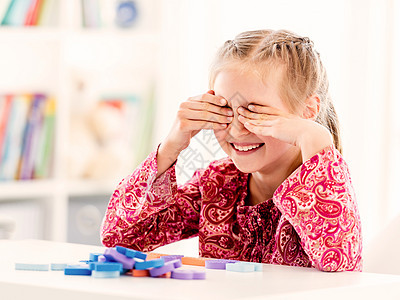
(246, 148)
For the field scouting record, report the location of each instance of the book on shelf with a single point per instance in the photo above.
(28, 12)
(5, 108)
(94, 13)
(108, 13)
(31, 137)
(91, 13)
(28, 134)
(32, 15)
(45, 141)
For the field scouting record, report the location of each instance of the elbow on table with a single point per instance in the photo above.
(110, 232)
(330, 267)
(108, 239)
(339, 262)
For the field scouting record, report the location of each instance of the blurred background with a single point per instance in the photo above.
(90, 87)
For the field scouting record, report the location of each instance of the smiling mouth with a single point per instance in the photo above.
(247, 148)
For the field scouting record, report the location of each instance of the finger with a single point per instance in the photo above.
(263, 119)
(266, 120)
(268, 113)
(206, 106)
(261, 109)
(202, 115)
(216, 100)
(243, 119)
(192, 125)
(242, 111)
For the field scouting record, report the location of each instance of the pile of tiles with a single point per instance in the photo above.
(120, 260)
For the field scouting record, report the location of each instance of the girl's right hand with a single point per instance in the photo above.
(204, 111)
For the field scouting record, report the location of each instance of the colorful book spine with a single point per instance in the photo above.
(94, 13)
(29, 12)
(14, 137)
(4, 6)
(16, 13)
(31, 136)
(5, 109)
(8, 13)
(48, 13)
(28, 139)
(33, 13)
(44, 156)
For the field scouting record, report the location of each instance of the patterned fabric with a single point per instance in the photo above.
(311, 221)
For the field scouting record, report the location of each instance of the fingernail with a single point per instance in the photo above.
(229, 119)
(241, 109)
(222, 101)
(230, 113)
(250, 107)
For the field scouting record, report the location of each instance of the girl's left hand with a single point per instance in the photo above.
(307, 134)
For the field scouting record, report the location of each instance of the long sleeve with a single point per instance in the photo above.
(319, 201)
(146, 212)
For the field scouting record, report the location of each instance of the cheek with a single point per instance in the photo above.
(272, 144)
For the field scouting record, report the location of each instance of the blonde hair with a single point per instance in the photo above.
(304, 73)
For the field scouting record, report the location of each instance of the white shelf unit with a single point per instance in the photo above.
(43, 59)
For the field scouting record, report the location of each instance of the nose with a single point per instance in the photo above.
(236, 129)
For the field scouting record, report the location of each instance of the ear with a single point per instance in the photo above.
(312, 107)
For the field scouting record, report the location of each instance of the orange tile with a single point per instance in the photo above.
(194, 261)
(140, 273)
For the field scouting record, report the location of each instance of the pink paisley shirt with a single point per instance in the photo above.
(312, 219)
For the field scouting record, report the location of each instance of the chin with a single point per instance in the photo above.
(247, 165)
(245, 168)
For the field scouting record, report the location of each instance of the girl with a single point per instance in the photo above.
(282, 196)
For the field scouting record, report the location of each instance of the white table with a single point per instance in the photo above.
(275, 282)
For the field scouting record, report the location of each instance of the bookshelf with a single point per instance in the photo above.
(57, 60)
